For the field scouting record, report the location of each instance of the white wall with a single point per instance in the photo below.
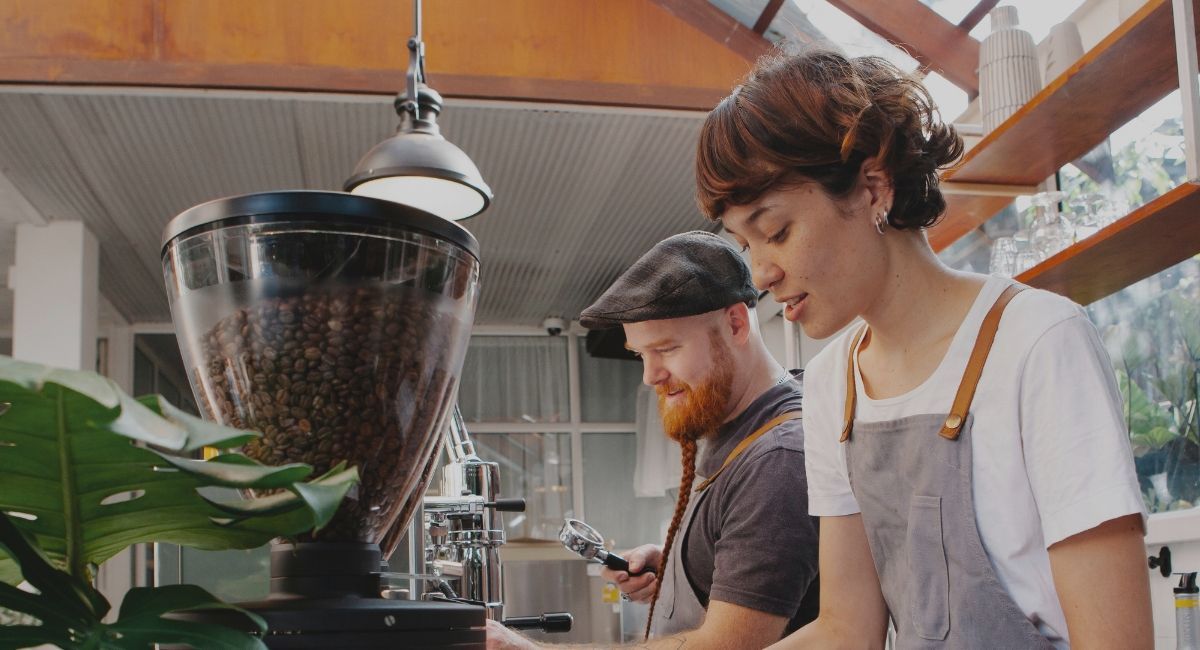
(1179, 531)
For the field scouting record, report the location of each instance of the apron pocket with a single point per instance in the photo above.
(929, 583)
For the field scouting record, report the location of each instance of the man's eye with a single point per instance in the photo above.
(777, 237)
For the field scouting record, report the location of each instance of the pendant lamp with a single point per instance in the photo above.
(417, 166)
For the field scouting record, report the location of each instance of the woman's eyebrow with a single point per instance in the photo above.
(758, 212)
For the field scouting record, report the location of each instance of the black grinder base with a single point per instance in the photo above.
(326, 595)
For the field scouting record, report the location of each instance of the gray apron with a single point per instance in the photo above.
(679, 609)
(912, 479)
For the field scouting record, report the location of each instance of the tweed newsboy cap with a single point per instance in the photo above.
(684, 275)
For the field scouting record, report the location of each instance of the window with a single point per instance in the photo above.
(1152, 332)
(515, 379)
(608, 387)
(624, 519)
(537, 467)
(514, 396)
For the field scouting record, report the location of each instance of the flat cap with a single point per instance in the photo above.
(684, 275)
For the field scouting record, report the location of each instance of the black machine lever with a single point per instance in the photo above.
(1162, 562)
(549, 622)
(507, 505)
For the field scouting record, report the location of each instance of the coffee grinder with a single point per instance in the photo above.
(337, 326)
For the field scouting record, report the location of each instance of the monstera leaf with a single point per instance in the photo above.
(68, 612)
(86, 471)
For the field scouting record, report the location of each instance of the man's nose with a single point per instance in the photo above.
(653, 373)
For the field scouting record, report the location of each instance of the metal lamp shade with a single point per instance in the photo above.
(424, 171)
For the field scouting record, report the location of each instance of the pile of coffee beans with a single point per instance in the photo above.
(358, 375)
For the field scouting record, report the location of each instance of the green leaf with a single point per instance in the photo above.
(141, 621)
(242, 473)
(72, 445)
(74, 599)
(194, 634)
(70, 611)
(201, 432)
(28, 636)
(323, 496)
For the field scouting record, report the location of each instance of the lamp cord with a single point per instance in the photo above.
(416, 65)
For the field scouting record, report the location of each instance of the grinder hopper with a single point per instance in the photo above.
(336, 325)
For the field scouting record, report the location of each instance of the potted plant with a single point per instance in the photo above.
(86, 471)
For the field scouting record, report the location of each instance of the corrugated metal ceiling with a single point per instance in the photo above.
(580, 192)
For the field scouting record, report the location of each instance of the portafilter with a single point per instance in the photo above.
(581, 538)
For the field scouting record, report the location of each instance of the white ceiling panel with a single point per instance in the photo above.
(580, 192)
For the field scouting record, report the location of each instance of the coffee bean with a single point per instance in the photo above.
(328, 377)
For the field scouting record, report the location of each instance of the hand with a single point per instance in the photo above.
(638, 588)
(502, 638)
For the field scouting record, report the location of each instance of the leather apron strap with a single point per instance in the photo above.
(745, 443)
(971, 375)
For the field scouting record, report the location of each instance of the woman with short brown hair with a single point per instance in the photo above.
(965, 445)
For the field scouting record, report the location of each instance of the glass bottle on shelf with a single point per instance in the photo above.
(1051, 231)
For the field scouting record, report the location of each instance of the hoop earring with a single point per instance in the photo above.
(881, 221)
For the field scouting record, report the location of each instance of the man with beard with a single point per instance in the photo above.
(739, 565)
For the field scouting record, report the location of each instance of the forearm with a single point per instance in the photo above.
(1114, 611)
(827, 632)
(691, 640)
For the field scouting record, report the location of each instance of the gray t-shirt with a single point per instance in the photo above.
(752, 542)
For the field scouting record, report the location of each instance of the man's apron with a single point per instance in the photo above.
(679, 609)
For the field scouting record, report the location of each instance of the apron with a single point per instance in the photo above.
(912, 479)
(679, 609)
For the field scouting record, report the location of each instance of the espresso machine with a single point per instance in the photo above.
(336, 325)
(463, 530)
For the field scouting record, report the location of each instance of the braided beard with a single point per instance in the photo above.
(701, 412)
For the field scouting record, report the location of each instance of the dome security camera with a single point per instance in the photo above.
(554, 326)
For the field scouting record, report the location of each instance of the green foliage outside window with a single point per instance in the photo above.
(1152, 328)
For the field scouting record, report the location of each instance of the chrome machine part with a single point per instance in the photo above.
(586, 541)
(464, 530)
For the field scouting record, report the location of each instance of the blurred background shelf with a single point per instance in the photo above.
(1152, 238)
(1128, 71)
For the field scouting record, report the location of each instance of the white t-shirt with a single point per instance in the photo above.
(1049, 446)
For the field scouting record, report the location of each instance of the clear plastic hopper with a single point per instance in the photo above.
(334, 324)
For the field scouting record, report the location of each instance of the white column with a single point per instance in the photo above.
(119, 335)
(55, 295)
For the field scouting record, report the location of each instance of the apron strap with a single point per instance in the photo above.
(741, 446)
(979, 355)
(851, 393)
(970, 380)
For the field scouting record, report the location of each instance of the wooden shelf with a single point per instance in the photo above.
(1152, 238)
(1126, 73)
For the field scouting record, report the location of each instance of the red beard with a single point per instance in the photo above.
(702, 408)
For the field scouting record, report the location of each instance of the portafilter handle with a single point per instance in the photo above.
(586, 541)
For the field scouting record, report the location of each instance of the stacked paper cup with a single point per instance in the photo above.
(1008, 68)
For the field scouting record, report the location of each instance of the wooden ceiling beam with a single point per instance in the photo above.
(617, 52)
(976, 15)
(768, 14)
(719, 26)
(923, 33)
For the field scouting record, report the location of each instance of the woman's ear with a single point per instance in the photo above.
(877, 182)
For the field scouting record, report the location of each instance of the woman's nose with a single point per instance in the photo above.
(765, 274)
